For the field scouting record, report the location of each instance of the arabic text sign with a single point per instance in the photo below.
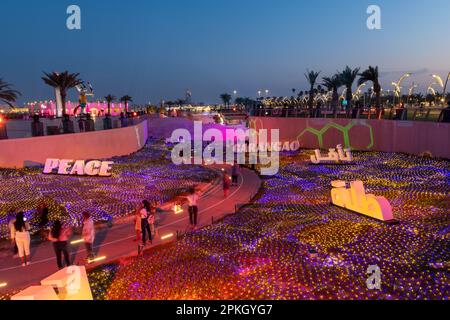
(78, 167)
(334, 155)
(356, 199)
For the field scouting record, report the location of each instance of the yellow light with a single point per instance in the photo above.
(77, 241)
(97, 259)
(167, 236)
(3, 284)
(178, 209)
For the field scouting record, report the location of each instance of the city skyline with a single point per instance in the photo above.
(157, 50)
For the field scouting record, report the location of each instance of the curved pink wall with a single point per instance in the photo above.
(412, 137)
(18, 153)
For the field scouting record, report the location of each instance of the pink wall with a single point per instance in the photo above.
(364, 135)
(17, 153)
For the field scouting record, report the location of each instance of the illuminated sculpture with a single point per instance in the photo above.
(356, 199)
(71, 283)
(84, 93)
(334, 156)
(79, 167)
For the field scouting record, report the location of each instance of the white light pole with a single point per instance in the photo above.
(398, 85)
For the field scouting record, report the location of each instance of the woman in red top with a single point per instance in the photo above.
(60, 235)
(226, 184)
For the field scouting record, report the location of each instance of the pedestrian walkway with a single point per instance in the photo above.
(116, 242)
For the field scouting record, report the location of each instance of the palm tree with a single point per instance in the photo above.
(333, 84)
(371, 74)
(64, 81)
(125, 99)
(311, 76)
(109, 98)
(8, 95)
(226, 98)
(348, 76)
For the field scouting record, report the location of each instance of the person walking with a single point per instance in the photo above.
(445, 114)
(235, 174)
(192, 199)
(88, 235)
(43, 220)
(20, 232)
(138, 224)
(59, 236)
(226, 184)
(151, 219)
(11, 220)
(145, 213)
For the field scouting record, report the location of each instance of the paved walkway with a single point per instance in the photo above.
(117, 242)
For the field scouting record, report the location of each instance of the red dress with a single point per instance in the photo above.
(226, 183)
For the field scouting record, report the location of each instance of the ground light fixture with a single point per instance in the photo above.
(97, 259)
(77, 241)
(167, 236)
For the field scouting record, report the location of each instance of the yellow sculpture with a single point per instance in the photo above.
(356, 199)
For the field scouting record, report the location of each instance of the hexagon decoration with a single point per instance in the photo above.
(345, 130)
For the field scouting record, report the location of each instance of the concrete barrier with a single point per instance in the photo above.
(411, 137)
(19, 153)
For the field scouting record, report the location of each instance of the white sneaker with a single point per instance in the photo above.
(28, 263)
(23, 264)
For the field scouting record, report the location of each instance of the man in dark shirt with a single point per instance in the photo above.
(445, 115)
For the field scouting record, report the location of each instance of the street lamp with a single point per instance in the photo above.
(398, 85)
(440, 82)
(267, 92)
(259, 93)
(445, 87)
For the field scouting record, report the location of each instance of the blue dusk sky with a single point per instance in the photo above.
(156, 49)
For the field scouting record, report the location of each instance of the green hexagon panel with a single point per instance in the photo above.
(345, 131)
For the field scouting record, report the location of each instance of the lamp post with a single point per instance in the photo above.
(445, 87)
(398, 86)
(440, 82)
(411, 91)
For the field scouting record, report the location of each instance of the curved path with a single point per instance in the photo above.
(117, 242)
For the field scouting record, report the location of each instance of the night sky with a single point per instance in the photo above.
(156, 49)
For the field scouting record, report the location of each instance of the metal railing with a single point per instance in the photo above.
(410, 113)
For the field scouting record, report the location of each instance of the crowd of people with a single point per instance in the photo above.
(59, 233)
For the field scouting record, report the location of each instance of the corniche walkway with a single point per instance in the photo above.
(117, 241)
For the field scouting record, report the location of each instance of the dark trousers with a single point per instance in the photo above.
(193, 215)
(234, 179)
(60, 248)
(89, 250)
(146, 230)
